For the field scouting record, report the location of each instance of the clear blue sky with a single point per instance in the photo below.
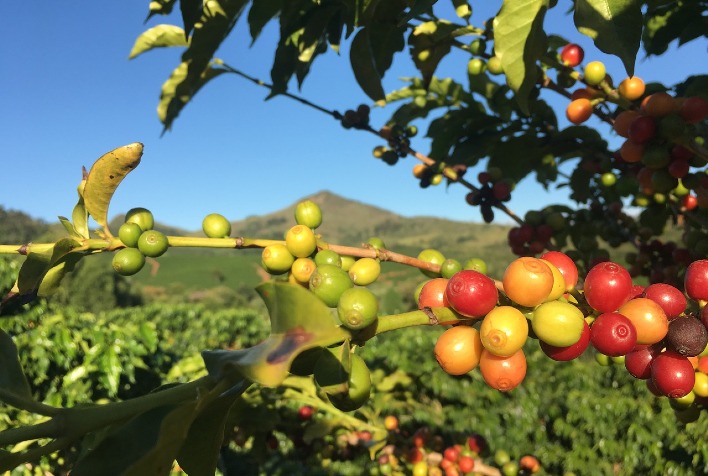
(69, 94)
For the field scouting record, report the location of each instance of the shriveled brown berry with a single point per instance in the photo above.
(687, 336)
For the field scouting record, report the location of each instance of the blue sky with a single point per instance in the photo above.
(69, 94)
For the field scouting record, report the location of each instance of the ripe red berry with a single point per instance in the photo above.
(642, 129)
(696, 280)
(638, 361)
(471, 293)
(671, 300)
(613, 334)
(305, 412)
(572, 55)
(607, 286)
(570, 352)
(672, 374)
(694, 109)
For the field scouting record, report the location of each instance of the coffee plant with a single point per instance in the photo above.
(138, 398)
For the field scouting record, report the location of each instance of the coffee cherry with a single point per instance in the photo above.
(607, 286)
(300, 241)
(140, 216)
(671, 300)
(471, 293)
(449, 267)
(215, 225)
(648, 318)
(128, 261)
(570, 352)
(503, 373)
(432, 293)
(359, 387)
(328, 282)
(129, 233)
(694, 109)
(476, 264)
(276, 259)
(557, 323)
(328, 257)
(152, 243)
(638, 360)
(357, 308)
(458, 350)
(696, 280)
(308, 213)
(631, 88)
(672, 374)
(431, 256)
(305, 412)
(528, 281)
(302, 269)
(613, 334)
(572, 55)
(687, 336)
(594, 73)
(365, 271)
(565, 265)
(579, 111)
(494, 66)
(504, 330)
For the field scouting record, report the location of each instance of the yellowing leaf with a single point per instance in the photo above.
(105, 176)
(159, 36)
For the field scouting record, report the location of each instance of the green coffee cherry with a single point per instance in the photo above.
(300, 241)
(128, 261)
(359, 387)
(328, 282)
(449, 267)
(476, 264)
(142, 217)
(365, 271)
(431, 256)
(129, 233)
(215, 225)
(347, 262)
(152, 243)
(276, 259)
(376, 243)
(357, 308)
(328, 257)
(308, 213)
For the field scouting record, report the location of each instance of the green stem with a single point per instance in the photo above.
(47, 429)
(204, 242)
(28, 404)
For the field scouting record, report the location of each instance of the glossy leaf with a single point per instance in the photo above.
(191, 12)
(159, 36)
(260, 13)
(105, 176)
(79, 215)
(664, 24)
(179, 89)
(430, 42)
(519, 41)
(199, 453)
(363, 65)
(12, 378)
(196, 68)
(614, 25)
(299, 321)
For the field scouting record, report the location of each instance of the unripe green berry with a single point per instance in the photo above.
(328, 282)
(347, 262)
(476, 264)
(357, 308)
(431, 256)
(308, 213)
(328, 257)
(128, 261)
(215, 225)
(276, 259)
(300, 241)
(152, 243)
(376, 243)
(129, 233)
(365, 271)
(449, 267)
(142, 217)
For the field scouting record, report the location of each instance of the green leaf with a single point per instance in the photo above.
(385, 39)
(12, 378)
(430, 42)
(161, 7)
(419, 7)
(191, 12)
(199, 453)
(299, 321)
(159, 36)
(105, 176)
(614, 25)
(42, 272)
(68, 227)
(519, 41)
(79, 215)
(363, 64)
(196, 68)
(462, 8)
(505, 155)
(179, 89)
(260, 13)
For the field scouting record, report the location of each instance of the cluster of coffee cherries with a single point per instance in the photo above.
(141, 241)
(421, 452)
(398, 142)
(660, 330)
(493, 190)
(356, 118)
